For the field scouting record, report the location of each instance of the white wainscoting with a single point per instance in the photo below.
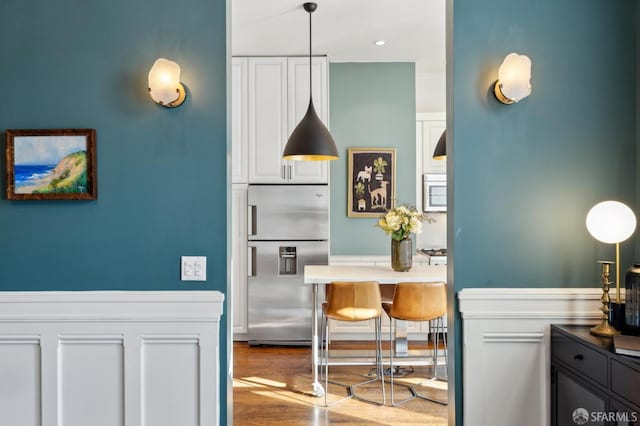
(506, 357)
(110, 358)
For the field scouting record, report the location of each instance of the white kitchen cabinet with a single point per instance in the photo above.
(431, 126)
(268, 129)
(298, 102)
(239, 261)
(277, 99)
(239, 121)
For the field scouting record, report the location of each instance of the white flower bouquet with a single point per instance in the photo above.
(401, 222)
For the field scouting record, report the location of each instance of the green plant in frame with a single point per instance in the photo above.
(359, 190)
(379, 164)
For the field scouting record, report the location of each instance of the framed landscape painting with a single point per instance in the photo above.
(372, 181)
(51, 164)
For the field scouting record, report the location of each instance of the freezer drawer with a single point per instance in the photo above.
(288, 212)
(279, 303)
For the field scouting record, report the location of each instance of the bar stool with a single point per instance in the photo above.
(353, 301)
(418, 302)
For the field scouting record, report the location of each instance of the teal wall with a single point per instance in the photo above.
(525, 175)
(371, 105)
(161, 173)
(637, 209)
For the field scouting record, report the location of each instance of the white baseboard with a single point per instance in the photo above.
(506, 361)
(110, 358)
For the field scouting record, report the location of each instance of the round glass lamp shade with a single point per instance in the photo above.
(611, 222)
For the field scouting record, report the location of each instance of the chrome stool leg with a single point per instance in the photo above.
(325, 332)
(446, 354)
(379, 369)
(393, 324)
(439, 328)
(379, 360)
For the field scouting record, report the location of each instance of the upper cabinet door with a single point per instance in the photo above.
(239, 121)
(267, 119)
(433, 124)
(298, 101)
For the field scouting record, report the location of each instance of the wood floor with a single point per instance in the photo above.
(272, 385)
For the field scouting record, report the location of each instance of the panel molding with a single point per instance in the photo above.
(20, 340)
(513, 337)
(501, 328)
(70, 324)
(101, 306)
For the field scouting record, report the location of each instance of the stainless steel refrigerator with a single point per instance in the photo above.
(288, 229)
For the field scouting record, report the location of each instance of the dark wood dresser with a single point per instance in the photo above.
(587, 373)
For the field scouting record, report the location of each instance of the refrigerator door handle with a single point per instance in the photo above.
(251, 220)
(251, 262)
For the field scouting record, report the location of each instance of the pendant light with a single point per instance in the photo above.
(440, 153)
(310, 140)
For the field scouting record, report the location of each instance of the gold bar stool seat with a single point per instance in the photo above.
(417, 302)
(353, 301)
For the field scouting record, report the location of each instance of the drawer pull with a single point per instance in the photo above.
(578, 357)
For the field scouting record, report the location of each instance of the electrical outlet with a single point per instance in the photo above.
(193, 268)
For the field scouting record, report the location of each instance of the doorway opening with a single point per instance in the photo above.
(370, 53)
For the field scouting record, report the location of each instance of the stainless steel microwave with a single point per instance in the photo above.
(434, 192)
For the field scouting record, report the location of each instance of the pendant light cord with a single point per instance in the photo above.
(310, 66)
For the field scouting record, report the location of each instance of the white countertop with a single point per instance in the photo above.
(324, 274)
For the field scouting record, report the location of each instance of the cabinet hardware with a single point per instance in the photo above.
(251, 219)
(578, 357)
(289, 172)
(251, 261)
(283, 172)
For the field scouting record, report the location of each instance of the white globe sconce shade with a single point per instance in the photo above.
(514, 79)
(611, 222)
(164, 84)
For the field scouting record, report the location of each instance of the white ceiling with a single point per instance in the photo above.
(344, 30)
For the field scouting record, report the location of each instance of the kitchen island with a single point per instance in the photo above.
(317, 275)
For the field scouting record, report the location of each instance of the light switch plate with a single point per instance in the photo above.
(193, 268)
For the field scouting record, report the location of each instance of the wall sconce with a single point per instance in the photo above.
(164, 84)
(514, 77)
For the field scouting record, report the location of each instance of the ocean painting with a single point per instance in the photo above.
(50, 164)
(55, 166)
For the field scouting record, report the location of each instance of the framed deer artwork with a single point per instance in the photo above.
(372, 181)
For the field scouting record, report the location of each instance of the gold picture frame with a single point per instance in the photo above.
(371, 181)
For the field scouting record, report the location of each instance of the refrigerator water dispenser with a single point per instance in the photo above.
(288, 261)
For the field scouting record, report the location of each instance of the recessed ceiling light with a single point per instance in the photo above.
(379, 42)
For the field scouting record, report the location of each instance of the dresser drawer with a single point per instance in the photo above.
(625, 381)
(583, 359)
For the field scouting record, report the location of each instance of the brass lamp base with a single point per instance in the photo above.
(604, 328)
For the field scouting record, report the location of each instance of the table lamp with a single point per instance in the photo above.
(610, 222)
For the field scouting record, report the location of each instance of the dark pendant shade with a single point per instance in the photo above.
(310, 140)
(440, 153)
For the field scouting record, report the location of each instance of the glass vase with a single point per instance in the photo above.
(401, 255)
